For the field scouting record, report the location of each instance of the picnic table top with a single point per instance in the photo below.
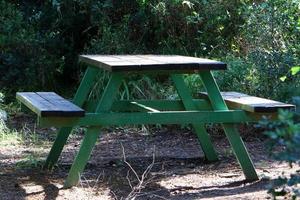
(118, 63)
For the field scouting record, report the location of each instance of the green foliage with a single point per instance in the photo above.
(39, 44)
(285, 133)
(7, 136)
(194, 83)
(31, 161)
(40, 40)
(294, 71)
(136, 87)
(241, 76)
(143, 87)
(24, 62)
(270, 42)
(265, 50)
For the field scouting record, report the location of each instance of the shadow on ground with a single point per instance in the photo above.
(169, 178)
(163, 165)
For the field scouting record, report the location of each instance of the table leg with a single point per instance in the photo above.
(63, 134)
(83, 156)
(187, 100)
(92, 133)
(231, 132)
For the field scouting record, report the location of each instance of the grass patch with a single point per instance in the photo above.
(9, 137)
(33, 145)
(33, 160)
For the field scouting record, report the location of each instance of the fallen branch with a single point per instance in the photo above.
(136, 189)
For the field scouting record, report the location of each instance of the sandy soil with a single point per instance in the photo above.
(176, 168)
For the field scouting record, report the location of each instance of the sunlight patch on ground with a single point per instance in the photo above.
(259, 195)
(55, 191)
(197, 181)
(198, 185)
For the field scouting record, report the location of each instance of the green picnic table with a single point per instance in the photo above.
(54, 110)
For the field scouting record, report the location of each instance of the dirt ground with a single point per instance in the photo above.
(161, 163)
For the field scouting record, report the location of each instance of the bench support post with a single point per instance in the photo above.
(231, 132)
(92, 133)
(187, 100)
(83, 156)
(63, 134)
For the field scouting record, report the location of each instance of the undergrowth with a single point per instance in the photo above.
(285, 133)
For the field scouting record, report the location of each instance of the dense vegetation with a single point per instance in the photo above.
(259, 40)
(41, 40)
(285, 132)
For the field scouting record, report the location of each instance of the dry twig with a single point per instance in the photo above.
(136, 189)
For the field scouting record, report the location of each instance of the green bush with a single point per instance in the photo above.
(15, 41)
(25, 63)
(40, 43)
(269, 42)
(285, 133)
(165, 27)
(41, 40)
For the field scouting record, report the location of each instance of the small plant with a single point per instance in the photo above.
(3, 115)
(7, 136)
(31, 161)
(285, 132)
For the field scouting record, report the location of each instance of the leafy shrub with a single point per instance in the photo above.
(285, 133)
(240, 76)
(269, 42)
(41, 40)
(25, 64)
(40, 43)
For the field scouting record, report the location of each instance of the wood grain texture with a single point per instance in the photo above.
(49, 104)
(135, 63)
(242, 101)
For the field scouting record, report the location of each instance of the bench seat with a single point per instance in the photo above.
(49, 104)
(236, 100)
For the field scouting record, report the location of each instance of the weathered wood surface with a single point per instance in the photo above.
(137, 63)
(49, 104)
(251, 103)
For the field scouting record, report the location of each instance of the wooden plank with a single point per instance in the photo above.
(35, 103)
(65, 107)
(62, 104)
(168, 117)
(108, 119)
(161, 105)
(238, 100)
(144, 107)
(47, 104)
(117, 63)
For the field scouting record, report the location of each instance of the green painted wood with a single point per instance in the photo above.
(93, 132)
(63, 134)
(162, 105)
(144, 107)
(49, 104)
(85, 86)
(249, 103)
(142, 63)
(83, 156)
(231, 132)
(135, 118)
(203, 137)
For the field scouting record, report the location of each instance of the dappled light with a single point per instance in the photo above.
(149, 99)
